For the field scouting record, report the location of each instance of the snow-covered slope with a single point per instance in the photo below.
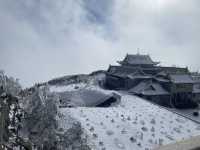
(133, 125)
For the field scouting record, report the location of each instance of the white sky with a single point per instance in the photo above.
(42, 39)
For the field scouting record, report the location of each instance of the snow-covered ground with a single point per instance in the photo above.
(71, 87)
(134, 124)
(76, 87)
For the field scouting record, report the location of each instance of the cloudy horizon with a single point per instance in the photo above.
(44, 39)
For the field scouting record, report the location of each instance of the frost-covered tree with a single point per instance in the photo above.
(29, 119)
(41, 126)
(10, 117)
(10, 114)
(9, 84)
(40, 118)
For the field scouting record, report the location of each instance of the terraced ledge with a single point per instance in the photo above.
(191, 144)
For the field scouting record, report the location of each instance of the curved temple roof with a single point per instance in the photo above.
(149, 88)
(138, 60)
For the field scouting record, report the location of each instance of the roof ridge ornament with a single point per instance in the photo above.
(138, 51)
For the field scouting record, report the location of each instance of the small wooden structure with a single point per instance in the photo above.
(181, 89)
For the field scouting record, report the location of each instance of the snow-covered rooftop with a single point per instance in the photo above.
(147, 88)
(134, 124)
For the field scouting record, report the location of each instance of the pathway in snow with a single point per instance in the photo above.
(133, 125)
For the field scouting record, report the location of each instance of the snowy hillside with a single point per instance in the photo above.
(133, 124)
(92, 78)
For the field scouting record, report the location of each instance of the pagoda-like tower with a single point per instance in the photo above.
(138, 60)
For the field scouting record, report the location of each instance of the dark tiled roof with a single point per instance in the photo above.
(161, 79)
(149, 88)
(181, 78)
(138, 60)
(174, 70)
(130, 72)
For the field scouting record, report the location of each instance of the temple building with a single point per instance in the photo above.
(167, 86)
(138, 60)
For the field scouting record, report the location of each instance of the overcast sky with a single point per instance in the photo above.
(42, 39)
